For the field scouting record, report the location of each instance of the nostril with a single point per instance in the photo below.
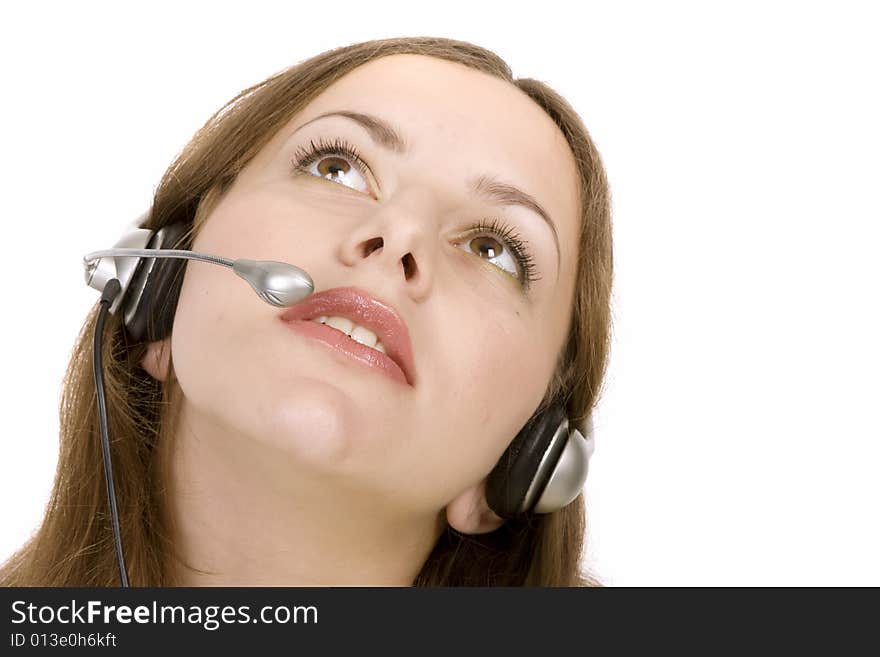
(409, 266)
(372, 245)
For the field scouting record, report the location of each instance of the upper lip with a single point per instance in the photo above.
(363, 309)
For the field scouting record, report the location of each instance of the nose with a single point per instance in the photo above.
(397, 239)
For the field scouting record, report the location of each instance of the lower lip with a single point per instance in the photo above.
(340, 342)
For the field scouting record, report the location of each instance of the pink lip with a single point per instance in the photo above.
(363, 309)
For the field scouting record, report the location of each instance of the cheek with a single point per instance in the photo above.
(499, 374)
(503, 367)
(217, 358)
(200, 333)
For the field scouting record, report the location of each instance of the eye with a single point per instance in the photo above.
(489, 248)
(338, 161)
(496, 241)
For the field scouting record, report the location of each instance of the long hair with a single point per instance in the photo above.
(73, 546)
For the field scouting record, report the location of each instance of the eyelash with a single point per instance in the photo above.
(305, 157)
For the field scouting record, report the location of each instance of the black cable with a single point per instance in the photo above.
(111, 290)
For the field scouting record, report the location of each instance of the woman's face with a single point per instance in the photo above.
(484, 347)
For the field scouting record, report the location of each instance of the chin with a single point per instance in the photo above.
(318, 424)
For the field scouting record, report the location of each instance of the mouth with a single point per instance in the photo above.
(351, 321)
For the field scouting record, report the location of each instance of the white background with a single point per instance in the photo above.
(737, 440)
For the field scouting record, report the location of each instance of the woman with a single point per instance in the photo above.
(246, 453)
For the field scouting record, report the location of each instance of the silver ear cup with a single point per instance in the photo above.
(99, 272)
(569, 474)
(543, 468)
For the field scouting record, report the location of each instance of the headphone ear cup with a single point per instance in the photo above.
(152, 300)
(518, 479)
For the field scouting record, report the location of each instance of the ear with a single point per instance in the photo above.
(157, 358)
(469, 512)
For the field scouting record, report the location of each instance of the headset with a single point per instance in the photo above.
(542, 470)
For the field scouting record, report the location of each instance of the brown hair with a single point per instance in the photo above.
(74, 546)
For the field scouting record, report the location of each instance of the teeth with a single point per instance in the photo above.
(357, 333)
(364, 336)
(340, 323)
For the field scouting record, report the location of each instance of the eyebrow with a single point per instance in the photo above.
(485, 185)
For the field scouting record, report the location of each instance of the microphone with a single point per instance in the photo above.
(276, 283)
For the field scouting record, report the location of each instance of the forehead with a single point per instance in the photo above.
(473, 121)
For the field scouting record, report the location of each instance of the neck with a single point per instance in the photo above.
(242, 514)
